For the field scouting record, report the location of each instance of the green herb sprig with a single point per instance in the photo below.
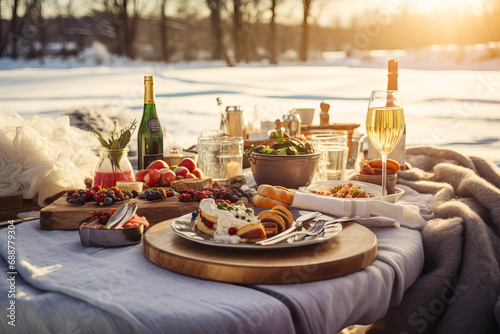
(118, 140)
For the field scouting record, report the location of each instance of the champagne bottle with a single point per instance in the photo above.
(399, 152)
(150, 134)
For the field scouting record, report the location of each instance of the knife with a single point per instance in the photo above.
(117, 216)
(17, 221)
(297, 223)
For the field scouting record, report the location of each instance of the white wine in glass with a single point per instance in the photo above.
(385, 124)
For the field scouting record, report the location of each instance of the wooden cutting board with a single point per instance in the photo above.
(353, 249)
(61, 215)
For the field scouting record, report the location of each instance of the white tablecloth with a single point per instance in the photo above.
(62, 286)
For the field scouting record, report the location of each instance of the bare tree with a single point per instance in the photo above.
(237, 29)
(304, 43)
(219, 49)
(34, 18)
(164, 40)
(2, 47)
(123, 24)
(273, 59)
(13, 34)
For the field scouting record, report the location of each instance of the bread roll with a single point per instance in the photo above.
(392, 165)
(268, 196)
(266, 202)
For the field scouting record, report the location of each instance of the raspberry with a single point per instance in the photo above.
(232, 230)
(75, 195)
(215, 184)
(185, 198)
(89, 192)
(209, 224)
(203, 195)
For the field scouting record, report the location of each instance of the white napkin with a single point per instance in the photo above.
(406, 215)
(378, 221)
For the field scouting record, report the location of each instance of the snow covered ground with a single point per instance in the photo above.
(446, 104)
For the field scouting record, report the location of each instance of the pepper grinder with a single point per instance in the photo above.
(324, 118)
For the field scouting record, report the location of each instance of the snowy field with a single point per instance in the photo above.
(450, 105)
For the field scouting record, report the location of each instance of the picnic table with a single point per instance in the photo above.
(61, 286)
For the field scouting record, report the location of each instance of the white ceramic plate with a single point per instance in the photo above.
(185, 227)
(367, 187)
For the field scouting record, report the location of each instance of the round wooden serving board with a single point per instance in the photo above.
(353, 249)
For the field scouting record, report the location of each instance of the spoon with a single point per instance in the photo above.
(117, 216)
(130, 212)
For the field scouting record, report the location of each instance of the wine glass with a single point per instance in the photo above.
(385, 123)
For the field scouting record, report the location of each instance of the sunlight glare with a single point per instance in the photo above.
(429, 6)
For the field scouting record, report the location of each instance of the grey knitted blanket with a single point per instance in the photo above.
(459, 289)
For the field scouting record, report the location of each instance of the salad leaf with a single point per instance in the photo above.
(282, 146)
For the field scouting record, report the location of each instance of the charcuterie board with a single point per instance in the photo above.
(61, 215)
(353, 249)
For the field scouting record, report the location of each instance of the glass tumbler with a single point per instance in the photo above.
(220, 157)
(333, 161)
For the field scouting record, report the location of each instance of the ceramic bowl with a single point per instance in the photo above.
(290, 171)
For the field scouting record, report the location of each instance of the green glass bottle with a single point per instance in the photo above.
(150, 134)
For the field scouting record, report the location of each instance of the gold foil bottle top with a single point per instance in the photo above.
(392, 83)
(393, 66)
(149, 93)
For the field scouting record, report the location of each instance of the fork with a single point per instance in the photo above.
(313, 231)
